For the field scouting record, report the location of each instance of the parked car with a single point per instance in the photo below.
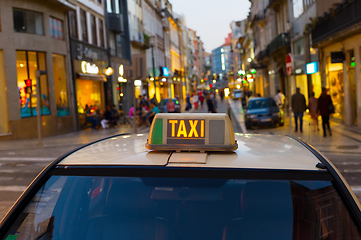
(163, 105)
(238, 94)
(262, 111)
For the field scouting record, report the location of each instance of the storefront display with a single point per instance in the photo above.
(60, 85)
(335, 85)
(4, 119)
(27, 62)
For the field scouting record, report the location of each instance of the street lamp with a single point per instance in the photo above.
(152, 44)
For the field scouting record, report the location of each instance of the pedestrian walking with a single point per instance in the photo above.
(188, 103)
(298, 107)
(214, 101)
(201, 99)
(154, 111)
(170, 107)
(221, 94)
(280, 99)
(312, 106)
(325, 107)
(195, 101)
(210, 104)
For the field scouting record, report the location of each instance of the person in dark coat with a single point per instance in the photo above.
(210, 104)
(323, 103)
(298, 107)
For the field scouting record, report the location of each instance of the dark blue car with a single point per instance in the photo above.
(263, 111)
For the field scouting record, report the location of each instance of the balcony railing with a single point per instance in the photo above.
(262, 54)
(343, 17)
(279, 42)
(115, 22)
(273, 3)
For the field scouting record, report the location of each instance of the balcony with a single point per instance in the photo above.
(281, 41)
(343, 18)
(274, 4)
(115, 22)
(262, 55)
(137, 38)
(67, 5)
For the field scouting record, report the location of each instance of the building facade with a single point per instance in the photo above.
(119, 55)
(34, 36)
(337, 34)
(89, 58)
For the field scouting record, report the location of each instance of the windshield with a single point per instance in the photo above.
(183, 208)
(261, 103)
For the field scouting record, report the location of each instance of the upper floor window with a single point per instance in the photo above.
(101, 33)
(73, 25)
(297, 8)
(113, 6)
(83, 23)
(28, 21)
(93, 30)
(56, 28)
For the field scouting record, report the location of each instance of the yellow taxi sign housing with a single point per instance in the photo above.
(192, 132)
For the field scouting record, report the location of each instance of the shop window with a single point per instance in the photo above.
(335, 85)
(56, 28)
(4, 119)
(60, 85)
(101, 33)
(26, 64)
(73, 24)
(28, 21)
(84, 28)
(89, 94)
(297, 8)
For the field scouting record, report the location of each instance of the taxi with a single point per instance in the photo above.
(192, 177)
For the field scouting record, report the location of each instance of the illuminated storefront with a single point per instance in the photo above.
(89, 64)
(27, 62)
(335, 85)
(4, 119)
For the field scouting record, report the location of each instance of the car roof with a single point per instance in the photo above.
(259, 98)
(254, 152)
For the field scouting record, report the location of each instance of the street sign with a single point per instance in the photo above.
(289, 64)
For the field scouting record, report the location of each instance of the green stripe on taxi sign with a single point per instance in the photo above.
(157, 135)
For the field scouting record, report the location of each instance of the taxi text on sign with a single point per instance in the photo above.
(185, 131)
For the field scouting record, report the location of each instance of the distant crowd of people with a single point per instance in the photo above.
(322, 106)
(107, 118)
(204, 97)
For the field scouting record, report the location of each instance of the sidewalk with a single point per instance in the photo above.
(55, 146)
(345, 139)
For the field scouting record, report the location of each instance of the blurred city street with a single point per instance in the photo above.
(22, 160)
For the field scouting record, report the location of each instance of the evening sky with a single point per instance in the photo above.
(211, 18)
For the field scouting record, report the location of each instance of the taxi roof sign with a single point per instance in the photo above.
(192, 132)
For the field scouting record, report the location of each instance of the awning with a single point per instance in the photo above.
(94, 77)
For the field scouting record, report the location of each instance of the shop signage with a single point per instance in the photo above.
(337, 57)
(138, 83)
(85, 52)
(87, 67)
(165, 72)
(289, 64)
(312, 67)
(121, 73)
(298, 71)
(121, 70)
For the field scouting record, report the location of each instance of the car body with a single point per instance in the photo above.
(263, 111)
(237, 94)
(244, 187)
(163, 105)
